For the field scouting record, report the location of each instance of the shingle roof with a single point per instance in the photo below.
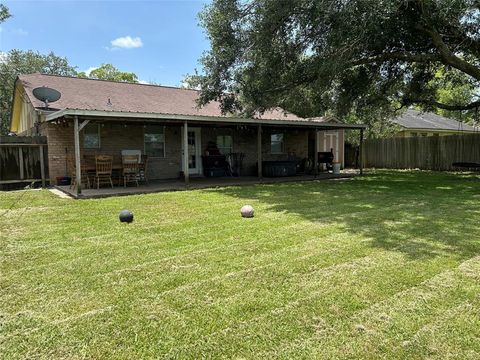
(413, 119)
(88, 94)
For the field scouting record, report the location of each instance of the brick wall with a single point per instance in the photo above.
(60, 140)
(245, 140)
(113, 139)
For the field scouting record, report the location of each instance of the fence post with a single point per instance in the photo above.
(259, 152)
(360, 150)
(315, 155)
(20, 160)
(42, 166)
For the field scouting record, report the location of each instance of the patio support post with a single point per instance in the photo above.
(78, 173)
(315, 155)
(185, 153)
(360, 152)
(259, 151)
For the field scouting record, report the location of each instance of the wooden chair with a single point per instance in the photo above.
(142, 171)
(85, 179)
(103, 170)
(130, 169)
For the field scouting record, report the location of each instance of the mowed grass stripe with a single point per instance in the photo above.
(184, 278)
(382, 325)
(141, 243)
(323, 289)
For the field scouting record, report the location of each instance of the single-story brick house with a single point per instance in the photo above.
(113, 116)
(417, 123)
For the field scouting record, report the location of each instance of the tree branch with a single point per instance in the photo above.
(470, 106)
(447, 55)
(450, 58)
(400, 55)
(461, 40)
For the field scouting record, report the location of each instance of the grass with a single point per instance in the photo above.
(383, 266)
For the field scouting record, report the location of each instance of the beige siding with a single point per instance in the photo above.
(327, 142)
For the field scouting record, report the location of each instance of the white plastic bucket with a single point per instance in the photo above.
(336, 167)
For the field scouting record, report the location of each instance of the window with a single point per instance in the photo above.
(413, 134)
(436, 134)
(154, 139)
(424, 134)
(91, 136)
(277, 143)
(224, 144)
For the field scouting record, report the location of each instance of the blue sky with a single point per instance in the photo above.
(160, 41)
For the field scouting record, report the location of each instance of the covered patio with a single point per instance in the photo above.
(266, 161)
(198, 183)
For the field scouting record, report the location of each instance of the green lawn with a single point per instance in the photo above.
(383, 266)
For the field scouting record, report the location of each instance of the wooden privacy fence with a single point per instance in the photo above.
(23, 159)
(428, 153)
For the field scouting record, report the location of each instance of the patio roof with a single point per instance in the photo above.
(156, 117)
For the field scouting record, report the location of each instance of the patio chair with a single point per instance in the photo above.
(130, 169)
(85, 179)
(103, 170)
(142, 170)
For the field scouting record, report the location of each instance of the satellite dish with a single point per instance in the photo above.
(46, 95)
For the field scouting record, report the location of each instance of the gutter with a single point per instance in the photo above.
(197, 118)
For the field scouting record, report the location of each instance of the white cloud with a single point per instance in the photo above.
(126, 42)
(144, 82)
(89, 70)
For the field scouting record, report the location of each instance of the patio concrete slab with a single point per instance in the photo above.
(195, 183)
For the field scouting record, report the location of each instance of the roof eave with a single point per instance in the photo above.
(405, 128)
(197, 118)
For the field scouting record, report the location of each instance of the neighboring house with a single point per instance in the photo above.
(116, 116)
(416, 123)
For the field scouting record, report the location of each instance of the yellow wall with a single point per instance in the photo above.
(23, 112)
(17, 108)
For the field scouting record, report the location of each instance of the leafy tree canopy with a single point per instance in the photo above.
(352, 58)
(111, 73)
(455, 88)
(4, 13)
(17, 62)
